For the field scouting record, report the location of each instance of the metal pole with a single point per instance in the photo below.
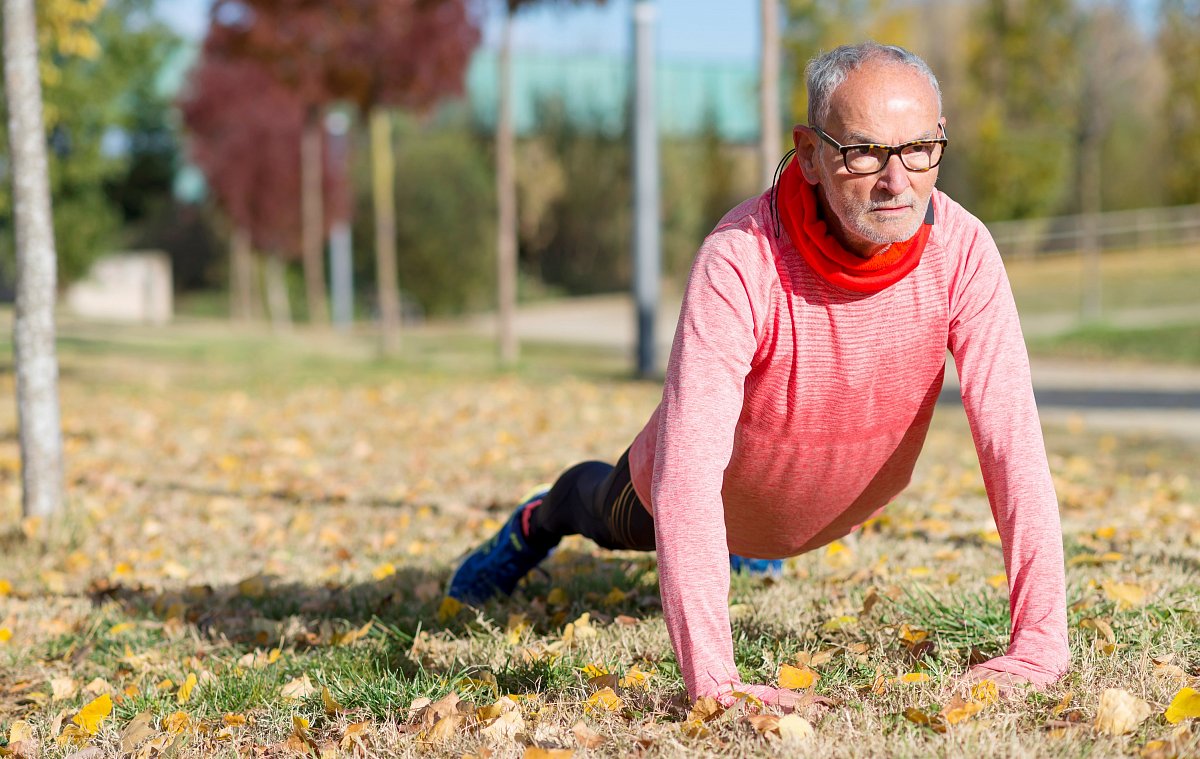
(341, 255)
(646, 245)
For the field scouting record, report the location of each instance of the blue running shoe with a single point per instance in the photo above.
(756, 567)
(500, 563)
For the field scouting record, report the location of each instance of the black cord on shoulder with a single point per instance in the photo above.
(775, 190)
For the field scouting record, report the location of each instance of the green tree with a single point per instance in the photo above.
(98, 63)
(1179, 40)
(1019, 113)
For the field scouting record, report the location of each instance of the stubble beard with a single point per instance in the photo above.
(854, 214)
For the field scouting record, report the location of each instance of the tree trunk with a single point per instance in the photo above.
(506, 205)
(275, 280)
(770, 133)
(243, 292)
(312, 222)
(38, 422)
(383, 176)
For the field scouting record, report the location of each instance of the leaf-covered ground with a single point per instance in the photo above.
(260, 533)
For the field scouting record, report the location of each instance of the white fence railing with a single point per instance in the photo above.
(1141, 229)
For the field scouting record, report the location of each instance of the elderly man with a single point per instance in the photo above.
(809, 355)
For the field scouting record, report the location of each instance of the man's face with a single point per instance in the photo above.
(883, 103)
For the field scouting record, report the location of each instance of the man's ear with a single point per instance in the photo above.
(807, 144)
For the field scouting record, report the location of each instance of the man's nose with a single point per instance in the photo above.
(894, 177)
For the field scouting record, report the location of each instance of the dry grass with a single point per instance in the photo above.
(234, 497)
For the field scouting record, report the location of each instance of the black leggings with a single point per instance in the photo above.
(596, 500)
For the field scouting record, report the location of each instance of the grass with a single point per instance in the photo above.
(278, 518)
(1170, 344)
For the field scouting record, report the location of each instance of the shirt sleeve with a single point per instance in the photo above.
(712, 353)
(989, 350)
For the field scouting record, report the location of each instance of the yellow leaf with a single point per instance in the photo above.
(356, 734)
(20, 731)
(593, 670)
(959, 710)
(177, 723)
(185, 691)
(913, 635)
(794, 728)
(636, 678)
(797, 678)
(72, 735)
(605, 699)
(1120, 712)
(253, 587)
(1185, 705)
(121, 627)
(5, 635)
(986, 692)
(537, 752)
(449, 609)
(5, 588)
(694, 728)
(913, 677)
(383, 571)
(234, 720)
(445, 728)
(557, 597)
(1063, 703)
(839, 623)
(93, 714)
(1126, 594)
(998, 581)
(614, 597)
(300, 726)
(165, 684)
(332, 707)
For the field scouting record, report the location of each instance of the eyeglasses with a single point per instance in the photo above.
(869, 158)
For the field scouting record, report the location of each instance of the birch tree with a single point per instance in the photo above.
(39, 428)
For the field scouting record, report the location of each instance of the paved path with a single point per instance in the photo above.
(1120, 398)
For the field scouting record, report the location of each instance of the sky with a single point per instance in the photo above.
(688, 29)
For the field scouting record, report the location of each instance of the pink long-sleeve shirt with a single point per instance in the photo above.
(793, 410)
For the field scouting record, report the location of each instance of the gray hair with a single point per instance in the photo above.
(827, 71)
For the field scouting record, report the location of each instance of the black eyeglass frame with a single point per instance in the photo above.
(892, 150)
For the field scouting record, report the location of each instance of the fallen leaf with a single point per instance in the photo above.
(764, 724)
(605, 699)
(985, 692)
(298, 689)
(1126, 594)
(839, 623)
(91, 716)
(960, 710)
(1120, 712)
(636, 678)
(1063, 703)
(5, 588)
(5, 635)
(449, 609)
(916, 716)
(913, 677)
(504, 727)
(138, 730)
(1185, 705)
(185, 690)
(177, 723)
(332, 707)
(537, 752)
(585, 736)
(63, 688)
(357, 734)
(384, 571)
(705, 709)
(797, 678)
(794, 728)
(445, 728)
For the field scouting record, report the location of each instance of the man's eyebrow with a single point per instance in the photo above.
(858, 138)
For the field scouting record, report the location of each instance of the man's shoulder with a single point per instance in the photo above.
(745, 230)
(956, 230)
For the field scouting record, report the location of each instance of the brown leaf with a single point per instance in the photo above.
(537, 752)
(138, 730)
(445, 728)
(585, 737)
(705, 709)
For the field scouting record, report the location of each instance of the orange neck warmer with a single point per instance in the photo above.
(797, 208)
